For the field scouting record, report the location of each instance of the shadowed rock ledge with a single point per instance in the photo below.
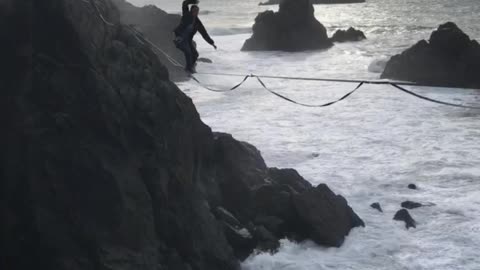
(105, 163)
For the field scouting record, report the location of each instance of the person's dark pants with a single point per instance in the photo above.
(191, 54)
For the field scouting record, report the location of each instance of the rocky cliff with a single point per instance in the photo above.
(105, 163)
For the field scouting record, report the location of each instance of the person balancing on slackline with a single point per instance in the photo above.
(190, 24)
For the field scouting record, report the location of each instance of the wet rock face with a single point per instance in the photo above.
(292, 28)
(105, 163)
(449, 58)
(351, 34)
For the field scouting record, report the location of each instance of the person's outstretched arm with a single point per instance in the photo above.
(185, 9)
(205, 35)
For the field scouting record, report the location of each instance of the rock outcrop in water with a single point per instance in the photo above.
(276, 2)
(404, 215)
(351, 34)
(105, 163)
(412, 186)
(156, 25)
(449, 58)
(377, 206)
(411, 205)
(293, 28)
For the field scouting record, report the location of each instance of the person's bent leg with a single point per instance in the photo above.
(194, 54)
(187, 51)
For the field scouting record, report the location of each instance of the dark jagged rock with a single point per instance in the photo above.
(351, 34)
(238, 236)
(273, 224)
(242, 241)
(317, 208)
(376, 206)
(292, 28)
(296, 209)
(404, 215)
(276, 2)
(412, 186)
(276, 200)
(157, 26)
(411, 205)
(241, 171)
(449, 58)
(105, 163)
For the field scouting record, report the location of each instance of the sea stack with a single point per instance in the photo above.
(293, 28)
(449, 58)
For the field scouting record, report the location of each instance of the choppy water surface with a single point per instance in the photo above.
(367, 148)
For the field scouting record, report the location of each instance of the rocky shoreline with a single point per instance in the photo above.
(106, 164)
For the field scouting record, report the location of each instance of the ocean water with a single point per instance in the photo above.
(367, 148)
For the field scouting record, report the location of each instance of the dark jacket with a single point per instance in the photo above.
(187, 20)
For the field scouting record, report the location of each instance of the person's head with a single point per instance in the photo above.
(194, 10)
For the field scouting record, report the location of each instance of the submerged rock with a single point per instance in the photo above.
(449, 58)
(292, 28)
(351, 34)
(411, 205)
(404, 215)
(376, 206)
(276, 2)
